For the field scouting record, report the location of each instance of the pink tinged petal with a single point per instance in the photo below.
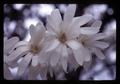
(99, 36)
(53, 44)
(64, 63)
(34, 61)
(21, 51)
(89, 30)
(79, 21)
(73, 44)
(100, 44)
(69, 14)
(19, 44)
(98, 53)
(24, 64)
(7, 74)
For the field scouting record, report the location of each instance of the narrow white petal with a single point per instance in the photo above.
(54, 58)
(100, 44)
(53, 44)
(33, 72)
(73, 33)
(40, 32)
(99, 36)
(64, 63)
(97, 24)
(21, 51)
(73, 44)
(32, 30)
(79, 21)
(43, 72)
(98, 53)
(64, 51)
(81, 54)
(20, 43)
(73, 65)
(51, 25)
(24, 64)
(56, 17)
(43, 57)
(69, 14)
(88, 30)
(10, 43)
(34, 61)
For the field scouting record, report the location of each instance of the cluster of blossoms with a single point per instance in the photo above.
(57, 47)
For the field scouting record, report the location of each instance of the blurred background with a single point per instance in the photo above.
(18, 18)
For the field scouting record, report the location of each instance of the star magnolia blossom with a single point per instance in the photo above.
(31, 51)
(65, 45)
(63, 34)
(8, 45)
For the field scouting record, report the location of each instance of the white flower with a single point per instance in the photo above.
(92, 44)
(8, 45)
(31, 51)
(62, 34)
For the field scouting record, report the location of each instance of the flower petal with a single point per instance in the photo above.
(100, 44)
(64, 51)
(79, 21)
(33, 72)
(56, 18)
(21, 51)
(7, 74)
(99, 36)
(39, 33)
(69, 14)
(24, 64)
(97, 24)
(54, 58)
(34, 61)
(10, 43)
(73, 44)
(81, 55)
(89, 30)
(53, 44)
(98, 53)
(51, 25)
(64, 63)
(20, 43)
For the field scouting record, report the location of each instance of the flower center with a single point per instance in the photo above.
(62, 38)
(35, 49)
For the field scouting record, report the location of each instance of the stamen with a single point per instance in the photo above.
(35, 49)
(62, 37)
